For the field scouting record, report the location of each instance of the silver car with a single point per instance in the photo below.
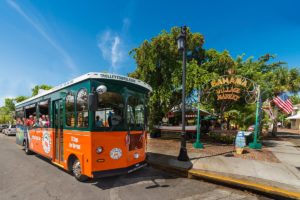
(2, 127)
(11, 130)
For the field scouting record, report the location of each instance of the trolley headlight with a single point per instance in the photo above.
(99, 150)
(136, 155)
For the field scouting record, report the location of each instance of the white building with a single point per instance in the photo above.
(295, 118)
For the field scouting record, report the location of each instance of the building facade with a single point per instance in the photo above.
(295, 118)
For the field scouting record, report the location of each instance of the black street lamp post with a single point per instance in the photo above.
(181, 42)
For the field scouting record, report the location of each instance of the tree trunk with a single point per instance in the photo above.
(274, 130)
(228, 124)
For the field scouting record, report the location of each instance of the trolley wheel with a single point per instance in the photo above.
(76, 170)
(26, 148)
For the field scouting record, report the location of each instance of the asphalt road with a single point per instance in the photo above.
(32, 177)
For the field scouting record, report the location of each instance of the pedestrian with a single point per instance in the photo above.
(99, 122)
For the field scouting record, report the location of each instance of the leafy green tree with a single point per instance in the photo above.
(295, 99)
(9, 104)
(273, 77)
(282, 119)
(157, 60)
(4, 116)
(19, 99)
(36, 88)
(160, 64)
(6, 111)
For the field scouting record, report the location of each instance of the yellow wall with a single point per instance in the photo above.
(296, 125)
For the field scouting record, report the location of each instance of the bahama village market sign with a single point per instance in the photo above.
(229, 94)
(230, 87)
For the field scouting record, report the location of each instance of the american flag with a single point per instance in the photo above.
(284, 103)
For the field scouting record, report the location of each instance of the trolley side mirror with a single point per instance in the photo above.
(93, 102)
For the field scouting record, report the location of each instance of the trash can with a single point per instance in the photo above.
(240, 142)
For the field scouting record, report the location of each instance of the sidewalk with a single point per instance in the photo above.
(279, 176)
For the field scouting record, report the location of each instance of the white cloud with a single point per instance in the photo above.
(113, 47)
(112, 50)
(116, 54)
(39, 28)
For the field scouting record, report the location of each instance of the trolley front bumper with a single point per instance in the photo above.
(119, 171)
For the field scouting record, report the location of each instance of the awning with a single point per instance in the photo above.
(294, 117)
(210, 117)
(189, 108)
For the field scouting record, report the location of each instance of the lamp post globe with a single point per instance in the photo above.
(181, 43)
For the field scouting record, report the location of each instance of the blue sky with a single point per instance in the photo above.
(53, 41)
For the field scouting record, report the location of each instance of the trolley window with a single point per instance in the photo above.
(44, 120)
(31, 117)
(110, 111)
(70, 110)
(135, 113)
(82, 108)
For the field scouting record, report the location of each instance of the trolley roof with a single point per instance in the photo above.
(91, 75)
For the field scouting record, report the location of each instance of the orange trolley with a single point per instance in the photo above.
(93, 125)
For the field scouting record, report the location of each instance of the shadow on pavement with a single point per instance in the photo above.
(146, 175)
(163, 160)
(288, 136)
(269, 144)
(226, 154)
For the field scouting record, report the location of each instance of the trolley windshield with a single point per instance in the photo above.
(120, 110)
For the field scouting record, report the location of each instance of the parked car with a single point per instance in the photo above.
(11, 130)
(2, 127)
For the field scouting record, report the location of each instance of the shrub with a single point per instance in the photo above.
(222, 138)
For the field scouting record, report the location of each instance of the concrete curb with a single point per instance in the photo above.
(261, 188)
(178, 171)
(227, 180)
